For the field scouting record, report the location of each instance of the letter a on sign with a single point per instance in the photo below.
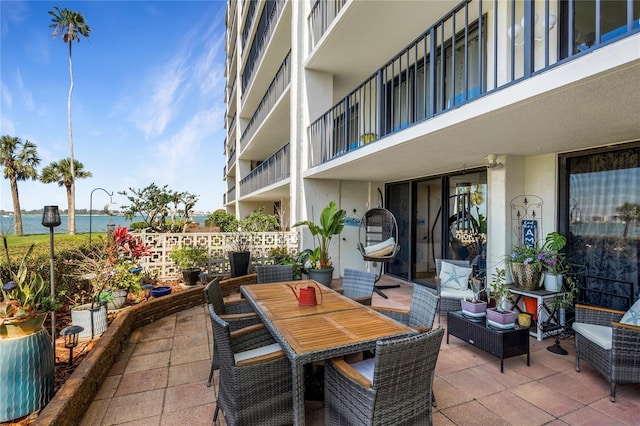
(529, 233)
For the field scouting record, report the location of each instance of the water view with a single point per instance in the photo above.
(32, 224)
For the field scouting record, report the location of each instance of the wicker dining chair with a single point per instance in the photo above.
(358, 285)
(238, 314)
(421, 313)
(395, 387)
(255, 386)
(611, 347)
(450, 299)
(274, 273)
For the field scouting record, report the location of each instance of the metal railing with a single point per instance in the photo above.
(477, 48)
(322, 15)
(272, 170)
(266, 26)
(248, 22)
(231, 194)
(277, 87)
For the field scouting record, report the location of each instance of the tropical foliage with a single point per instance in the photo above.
(332, 222)
(69, 26)
(19, 161)
(162, 209)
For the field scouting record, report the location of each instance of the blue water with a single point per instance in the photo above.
(32, 224)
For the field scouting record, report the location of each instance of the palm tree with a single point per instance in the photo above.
(60, 172)
(19, 160)
(69, 25)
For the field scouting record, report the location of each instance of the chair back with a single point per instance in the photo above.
(403, 377)
(213, 296)
(464, 263)
(358, 284)
(222, 337)
(274, 273)
(424, 305)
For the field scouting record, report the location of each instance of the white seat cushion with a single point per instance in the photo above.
(601, 335)
(252, 353)
(365, 368)
(450, 293)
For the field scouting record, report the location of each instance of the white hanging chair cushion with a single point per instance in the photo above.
(380, 249)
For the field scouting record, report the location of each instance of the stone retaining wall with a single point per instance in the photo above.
(74, 397)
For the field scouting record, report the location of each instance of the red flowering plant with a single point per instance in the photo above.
(112, 263)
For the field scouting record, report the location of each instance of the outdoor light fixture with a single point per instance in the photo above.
(147, 290)
(51, 219)
(71, 339)
(492, 162)
(106, 207)
(516, 31)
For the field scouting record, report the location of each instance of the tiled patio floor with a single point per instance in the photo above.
(160, 379)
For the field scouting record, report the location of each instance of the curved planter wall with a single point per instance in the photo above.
(26, 374)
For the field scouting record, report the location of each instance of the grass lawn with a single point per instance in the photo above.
(26, 240)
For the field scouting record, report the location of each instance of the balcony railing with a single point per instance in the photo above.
(232, 158)
(232, 123)
(479, 47)
(251, 14)
(231, 195)
(266, 26)
(273, 170)
(322, 15)
(277, 87)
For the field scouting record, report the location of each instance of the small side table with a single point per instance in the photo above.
(548, 322)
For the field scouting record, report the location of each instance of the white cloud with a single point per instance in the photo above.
(25, 93)
(7, 99)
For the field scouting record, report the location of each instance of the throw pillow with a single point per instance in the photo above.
(632, 316)
(380, 249)
(454, 277)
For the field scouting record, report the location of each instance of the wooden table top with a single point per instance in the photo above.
(336, 321)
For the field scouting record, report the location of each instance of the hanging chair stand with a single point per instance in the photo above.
(378, 241)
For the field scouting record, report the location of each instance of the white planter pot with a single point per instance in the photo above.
(119, 299)
(94, 321)
(553, 282)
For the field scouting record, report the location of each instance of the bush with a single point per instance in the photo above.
(227, 222)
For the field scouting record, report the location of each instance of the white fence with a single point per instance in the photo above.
(217, 244)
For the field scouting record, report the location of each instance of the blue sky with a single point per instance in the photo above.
(148, 101)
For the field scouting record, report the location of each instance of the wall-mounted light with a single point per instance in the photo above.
(516, 32)
(492, 162)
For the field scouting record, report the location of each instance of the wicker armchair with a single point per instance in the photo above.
(238, 314)
(358, 285)
(617, 357)
(231, 286)
(255, 377)
(274, 273)
(393, 388)
(421, 313)
(450, 299)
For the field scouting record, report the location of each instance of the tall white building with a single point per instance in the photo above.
(530, 107)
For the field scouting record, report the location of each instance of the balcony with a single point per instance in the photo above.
(271, 171)
(248, 22)
(322, 15)
(266, 26)
(471, 52)
(278, 86)
(231, 195)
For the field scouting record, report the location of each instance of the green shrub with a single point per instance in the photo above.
(227, 222)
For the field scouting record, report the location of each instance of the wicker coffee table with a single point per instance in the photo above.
(500, 343)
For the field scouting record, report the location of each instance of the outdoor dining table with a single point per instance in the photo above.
(336, 326)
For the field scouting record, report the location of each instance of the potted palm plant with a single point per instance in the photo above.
(318, 265)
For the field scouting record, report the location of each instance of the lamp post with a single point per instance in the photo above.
(51, 219)
(110, 194)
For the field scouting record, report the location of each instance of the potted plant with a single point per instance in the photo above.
(555, 263)
(501, 315)
(240, 253)
(474, 306)
(318, 265)
(26, 353)
(189, 258)
(527, 267)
